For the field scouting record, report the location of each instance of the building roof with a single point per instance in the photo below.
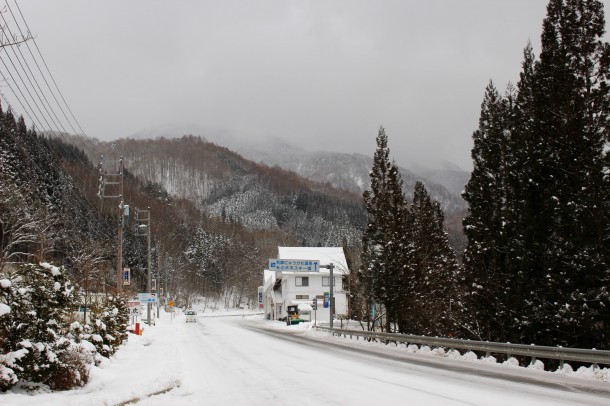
(325, 255)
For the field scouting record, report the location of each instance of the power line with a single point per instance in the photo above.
(50, 116)
(55, 121)
(40, 98)
(47, 67)
(25, 86)
(22, 95)
(16, 97)
(40, 70)
(27, 36)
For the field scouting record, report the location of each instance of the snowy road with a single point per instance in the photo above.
(235, 365)
(229, 361)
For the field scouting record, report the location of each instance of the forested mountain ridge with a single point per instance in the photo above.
(349, 171)
(239, 191)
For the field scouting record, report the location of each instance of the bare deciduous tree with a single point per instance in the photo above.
(90, 262)
(22, 227)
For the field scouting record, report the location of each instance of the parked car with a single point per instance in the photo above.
(191, 316)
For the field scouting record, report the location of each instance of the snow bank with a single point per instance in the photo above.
(4, 309)
(539, 365)
(593, 372)
(511, 362)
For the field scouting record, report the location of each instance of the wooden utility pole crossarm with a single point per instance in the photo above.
(103, 194)
(143, 220)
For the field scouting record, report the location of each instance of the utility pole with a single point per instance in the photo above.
(119, 277)
(114, 179)
(331, 305)
(158, 280)
(144, 222)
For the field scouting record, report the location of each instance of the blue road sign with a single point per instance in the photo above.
(294, 265)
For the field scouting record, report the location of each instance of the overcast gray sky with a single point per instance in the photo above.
(322, 74)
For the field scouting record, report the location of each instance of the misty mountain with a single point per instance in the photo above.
(176, 130)
(351, 171)
(340, 170)
(451, 176)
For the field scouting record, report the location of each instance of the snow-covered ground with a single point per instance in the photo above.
(245, 360)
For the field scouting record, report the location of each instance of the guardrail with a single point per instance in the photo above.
(534, 351)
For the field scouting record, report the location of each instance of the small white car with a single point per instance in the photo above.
(191, 316)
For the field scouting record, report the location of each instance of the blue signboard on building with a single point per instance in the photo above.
(294, 265)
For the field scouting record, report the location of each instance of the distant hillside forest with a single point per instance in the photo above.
(216, 218)
(257, 196)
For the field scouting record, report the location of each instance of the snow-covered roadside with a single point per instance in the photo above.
(592, 372)
(217, 361)
(143, 366)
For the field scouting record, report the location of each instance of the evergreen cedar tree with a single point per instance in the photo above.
(39, 339)
(536, 268)
(409, 272)
(537, 261)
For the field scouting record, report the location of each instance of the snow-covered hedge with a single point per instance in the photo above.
(39, 341)
(109, 327)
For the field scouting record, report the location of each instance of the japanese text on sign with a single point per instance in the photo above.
(126, 276)
(147, 297)
(294, 265)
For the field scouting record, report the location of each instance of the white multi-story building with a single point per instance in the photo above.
(289, 288)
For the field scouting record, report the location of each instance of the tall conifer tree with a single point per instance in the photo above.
(487, 225)
(555, 239)
(383, 237)
(431, 305)
(566, 216)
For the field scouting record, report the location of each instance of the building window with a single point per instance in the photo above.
(302, 296)
(325, 281)
(302, 280)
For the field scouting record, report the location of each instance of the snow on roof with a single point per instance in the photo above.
(325, 255)
(268, 279)
(305, 307)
